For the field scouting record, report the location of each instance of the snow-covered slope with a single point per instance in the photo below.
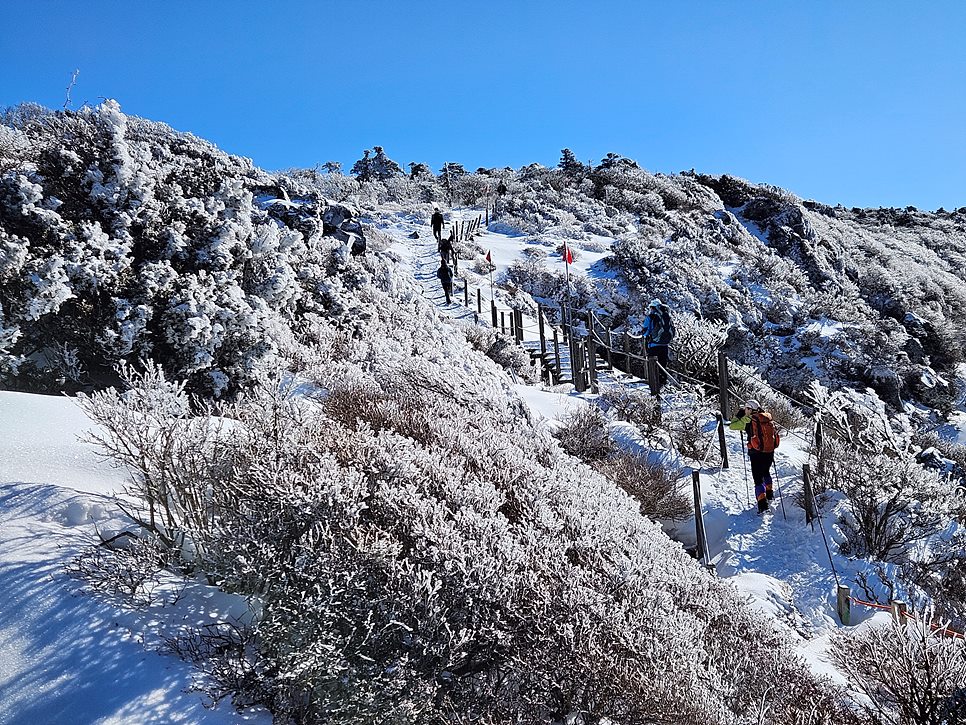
(67, 656)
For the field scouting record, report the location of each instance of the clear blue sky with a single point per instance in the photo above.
(862, 103)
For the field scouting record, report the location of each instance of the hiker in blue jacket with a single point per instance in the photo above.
(658, 333)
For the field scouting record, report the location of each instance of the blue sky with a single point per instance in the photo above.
(860, 103)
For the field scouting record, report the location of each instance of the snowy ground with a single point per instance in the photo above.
(67, 656)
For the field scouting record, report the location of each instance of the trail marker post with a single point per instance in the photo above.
(843, 603)
(542, 331)
(722, 444)
(700, 533)
(808, 494)
(723, 385)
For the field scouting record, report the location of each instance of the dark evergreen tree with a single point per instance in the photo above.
(616, 161)
(569, 163)
(362, 169)
(382, 167)
(417, 170)
(332, 167)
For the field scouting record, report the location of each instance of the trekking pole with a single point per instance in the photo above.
(744, 462)
(778, 485)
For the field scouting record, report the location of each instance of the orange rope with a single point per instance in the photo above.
(944, 629)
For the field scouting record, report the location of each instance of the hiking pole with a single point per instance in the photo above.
(744, 462)
(778, 485)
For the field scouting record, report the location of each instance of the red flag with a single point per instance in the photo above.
(489, 258)
(568, 257)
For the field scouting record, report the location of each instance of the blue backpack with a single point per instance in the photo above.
(662, 328)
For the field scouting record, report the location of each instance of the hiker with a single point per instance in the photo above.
(763, 439)
(437, 223)
(454, 259)
(446, 277)
(658, 332)
(446, 251)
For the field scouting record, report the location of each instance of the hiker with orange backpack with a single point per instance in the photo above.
(763, 439)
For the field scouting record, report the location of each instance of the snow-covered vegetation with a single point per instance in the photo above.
(304, 429)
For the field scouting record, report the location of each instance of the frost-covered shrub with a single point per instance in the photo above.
(908, 674)
(126, 565)
(550, 286)
(892, 503)
(583, 433)
(654, 484)
(691, 425)
(503, 350)
(634, 406)
(124, 240)
(940, 575)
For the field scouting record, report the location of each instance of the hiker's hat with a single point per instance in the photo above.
(753, 404)
(655, 303)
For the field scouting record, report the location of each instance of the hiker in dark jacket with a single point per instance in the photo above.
(658, 332)
(446, 277)
(446, 251)
(763, 439)
(437, 223)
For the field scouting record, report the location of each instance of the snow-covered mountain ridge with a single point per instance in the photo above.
(412, 557)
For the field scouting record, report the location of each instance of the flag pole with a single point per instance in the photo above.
(566, 256)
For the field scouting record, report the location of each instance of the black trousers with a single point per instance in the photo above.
(660, 352)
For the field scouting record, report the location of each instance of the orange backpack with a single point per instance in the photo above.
(764, 435)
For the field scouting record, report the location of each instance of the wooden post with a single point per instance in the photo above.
(577, 364)
(476, 318)
(899, 610)
(556, 353)
(513, 325)
(592, 363)
(479, 302)
(653, 376)
(809, 495)
(723, 398)
(493, 313)
(466, 292)
(627, 351)
(722, 444)
(700, 533)
(843, 603)
(502, 322)
(542, 331)
(819, 441)
(519, 316)
(610, 347)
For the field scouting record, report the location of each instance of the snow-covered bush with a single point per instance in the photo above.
(503, 350)
(123, 240)
(654, 484)
(634, 406)
(909, 674)
(583, 433)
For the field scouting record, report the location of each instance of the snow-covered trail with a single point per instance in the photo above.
(421, 256)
